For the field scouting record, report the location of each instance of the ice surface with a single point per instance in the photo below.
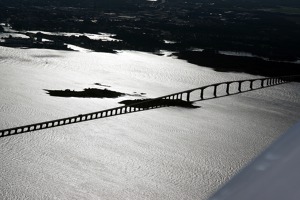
(167, 153)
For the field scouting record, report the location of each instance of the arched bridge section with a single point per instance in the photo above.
(197, 94)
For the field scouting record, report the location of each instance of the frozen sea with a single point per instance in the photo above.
(165, 153)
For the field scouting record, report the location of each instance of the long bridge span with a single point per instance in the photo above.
(216, 90)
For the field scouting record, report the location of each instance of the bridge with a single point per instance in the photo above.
(207, 92)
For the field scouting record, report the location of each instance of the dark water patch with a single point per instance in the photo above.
(146, 103)
(86, 93)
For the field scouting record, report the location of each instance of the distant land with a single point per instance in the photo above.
(267, 29)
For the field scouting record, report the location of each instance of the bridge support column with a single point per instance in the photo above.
(227, 88)
(188, 96)
(262, 83)
(202, 93)
(251, 85)
(215, 90)
(240, 86)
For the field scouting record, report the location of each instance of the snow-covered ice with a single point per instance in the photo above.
(166, 153)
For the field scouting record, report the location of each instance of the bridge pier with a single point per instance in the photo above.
(262, 83)
(188, 96)
(227, 88)
(215, 90)
(240, 86)
(202, 93)
(251, 85)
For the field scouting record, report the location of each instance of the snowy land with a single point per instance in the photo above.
(165, 153)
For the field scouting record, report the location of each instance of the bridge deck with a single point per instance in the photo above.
(198, 94)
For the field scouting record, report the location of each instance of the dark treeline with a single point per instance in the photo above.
(265, 28)
(250, 65)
